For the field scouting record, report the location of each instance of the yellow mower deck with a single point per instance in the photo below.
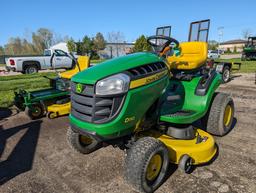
(201, 152)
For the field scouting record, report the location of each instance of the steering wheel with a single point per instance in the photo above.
(159, 42)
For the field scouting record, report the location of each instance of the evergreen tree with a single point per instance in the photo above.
(141, 45)
(71, 45)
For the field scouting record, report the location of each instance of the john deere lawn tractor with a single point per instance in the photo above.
(147, 104)
(249, 52)
(53, 101)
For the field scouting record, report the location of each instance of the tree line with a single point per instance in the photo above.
(88, 46)
(41, 39)
(44, 38)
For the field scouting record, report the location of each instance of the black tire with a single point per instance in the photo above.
(76, 142)
(35, 112)
(186, 163)
(216, 124)
(139, 157)
(30, 69)
(226, 74)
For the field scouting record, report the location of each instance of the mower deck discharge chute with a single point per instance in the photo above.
(147, 104)
(53, 101)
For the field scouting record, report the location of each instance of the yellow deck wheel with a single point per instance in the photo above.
(227, 115)
(52, 115)
(85, 140)
(154, 167)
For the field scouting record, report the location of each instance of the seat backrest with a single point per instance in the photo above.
(82, 61)
(193, 55)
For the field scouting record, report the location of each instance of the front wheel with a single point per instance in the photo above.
(82, 143)
(36, 111)
(146, 164)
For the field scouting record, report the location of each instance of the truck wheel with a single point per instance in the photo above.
(226, 74)
(35, 112)
(146, 164)
(82, 143)
(221, 115)
(30, 69)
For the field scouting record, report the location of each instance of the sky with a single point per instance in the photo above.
(77, 18)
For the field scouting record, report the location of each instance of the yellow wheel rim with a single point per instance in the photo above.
(85, 140)
(154, 167)
(227, 115)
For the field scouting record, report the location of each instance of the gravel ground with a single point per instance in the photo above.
(35, 157)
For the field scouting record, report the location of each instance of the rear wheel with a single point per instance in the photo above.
(221, 115)
(81, 143)
(30, 69)
(36, 111)
(146, 164)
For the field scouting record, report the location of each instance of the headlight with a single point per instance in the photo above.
(115, 84)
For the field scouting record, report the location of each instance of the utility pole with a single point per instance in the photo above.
(220, 34)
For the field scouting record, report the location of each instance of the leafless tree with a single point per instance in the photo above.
(246, 33)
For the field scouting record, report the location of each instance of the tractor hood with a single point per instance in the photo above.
(114, 66)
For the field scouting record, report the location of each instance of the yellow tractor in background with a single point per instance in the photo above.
(56, 110)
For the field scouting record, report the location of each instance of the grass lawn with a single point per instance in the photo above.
(246, 66)
(2, 65)
(9, 84)
(97, 61)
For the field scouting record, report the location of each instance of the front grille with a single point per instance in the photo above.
(146, 70)
(88, 107)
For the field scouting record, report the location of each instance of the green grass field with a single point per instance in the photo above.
(97, 61)
(246, 66)
(9, 84)
(2, 65)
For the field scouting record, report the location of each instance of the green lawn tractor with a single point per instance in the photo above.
(147, 104)
(53, 101)
(249, 51)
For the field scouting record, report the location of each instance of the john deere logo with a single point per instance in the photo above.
(79, 88)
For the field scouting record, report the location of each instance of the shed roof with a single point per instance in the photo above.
(236, 41)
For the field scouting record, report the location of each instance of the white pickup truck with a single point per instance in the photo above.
(52, 59)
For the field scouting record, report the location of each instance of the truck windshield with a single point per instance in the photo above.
(47, 52)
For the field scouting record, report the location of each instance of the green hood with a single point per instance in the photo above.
(114, 66)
